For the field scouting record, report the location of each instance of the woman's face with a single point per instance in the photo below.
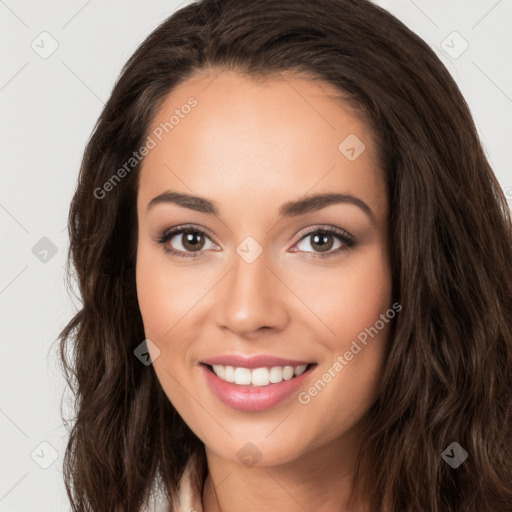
(264, 283)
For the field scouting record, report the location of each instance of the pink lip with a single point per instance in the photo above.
(253, 398)
(258, 361)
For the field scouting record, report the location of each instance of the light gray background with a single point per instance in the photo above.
(48, 109)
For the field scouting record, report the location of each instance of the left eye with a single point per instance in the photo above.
(320, 242)
(323, 242)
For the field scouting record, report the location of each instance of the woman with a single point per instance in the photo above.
(296, 271)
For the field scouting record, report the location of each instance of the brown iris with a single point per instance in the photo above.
(193, 240)
(321, 241)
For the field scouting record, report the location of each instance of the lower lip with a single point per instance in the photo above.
(253, 398)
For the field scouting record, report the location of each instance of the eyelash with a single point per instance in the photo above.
(346, 239)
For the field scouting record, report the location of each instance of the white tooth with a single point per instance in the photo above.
(287, 372)
(242, 376)
(218, 369)
(260, 377)
(300, 369)
(276, 374)
(229, 374)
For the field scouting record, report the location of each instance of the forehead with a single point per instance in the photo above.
(278, 140)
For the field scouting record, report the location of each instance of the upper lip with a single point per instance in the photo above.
(257, 361)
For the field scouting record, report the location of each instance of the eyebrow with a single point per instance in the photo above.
(290, 209)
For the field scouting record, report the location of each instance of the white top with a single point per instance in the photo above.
(189, 497)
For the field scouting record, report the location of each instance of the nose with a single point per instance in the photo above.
(250, 299)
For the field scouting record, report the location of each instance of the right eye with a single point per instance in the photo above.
(186, 240)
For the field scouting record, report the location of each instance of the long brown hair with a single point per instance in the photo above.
(448, 369)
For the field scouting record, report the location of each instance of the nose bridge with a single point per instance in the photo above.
(250, 297)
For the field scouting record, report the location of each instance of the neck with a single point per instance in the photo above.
(319, 480)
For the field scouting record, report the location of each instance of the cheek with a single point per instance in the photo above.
(164, 301)
(152, 296)
(165, 293)
(357, 307)
(351, 297)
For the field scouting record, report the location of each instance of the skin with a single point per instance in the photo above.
(250, 148)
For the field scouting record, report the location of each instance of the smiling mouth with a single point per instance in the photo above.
(258, 377)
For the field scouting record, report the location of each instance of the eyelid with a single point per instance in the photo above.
(179, 229)
(324, 228)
